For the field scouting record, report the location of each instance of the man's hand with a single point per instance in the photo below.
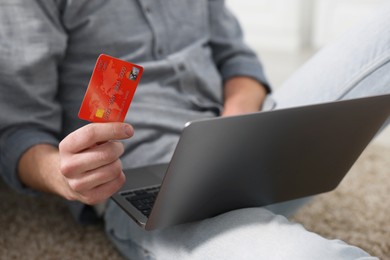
(86, 167)
(89, 161)
(242, 95)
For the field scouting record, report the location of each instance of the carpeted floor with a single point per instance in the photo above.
(358, 212)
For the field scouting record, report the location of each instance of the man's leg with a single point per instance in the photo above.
(356, 65)
(254, 233)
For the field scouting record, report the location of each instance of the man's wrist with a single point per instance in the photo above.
(38, 169)
(243, 95)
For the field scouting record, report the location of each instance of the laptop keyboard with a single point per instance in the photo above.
(142, 199)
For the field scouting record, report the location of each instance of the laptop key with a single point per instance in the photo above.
(146, 212)
(139, 205)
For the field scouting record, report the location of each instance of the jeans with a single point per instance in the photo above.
(356, 65)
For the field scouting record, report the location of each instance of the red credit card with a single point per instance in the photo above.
(110, 90)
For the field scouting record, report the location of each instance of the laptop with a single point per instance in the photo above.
(252, 160)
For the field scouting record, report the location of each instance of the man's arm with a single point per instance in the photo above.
(29, 102)
(233, 57)
(243, 95)
(245, 83)
(86, 167)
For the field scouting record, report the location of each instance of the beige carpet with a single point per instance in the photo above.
(358, 212)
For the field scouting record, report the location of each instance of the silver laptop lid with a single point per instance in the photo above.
(264, 158)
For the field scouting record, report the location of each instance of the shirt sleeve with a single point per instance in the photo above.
(32, 42)
(232, 56)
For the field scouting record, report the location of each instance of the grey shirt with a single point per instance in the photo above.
(48, 49)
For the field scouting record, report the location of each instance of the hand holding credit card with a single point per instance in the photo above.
(110, 90)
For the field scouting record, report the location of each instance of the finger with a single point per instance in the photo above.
(93, 134)
(97, 177)
(104, 191)
(91, 158)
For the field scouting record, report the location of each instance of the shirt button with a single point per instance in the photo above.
(182, 67)
(147, 9)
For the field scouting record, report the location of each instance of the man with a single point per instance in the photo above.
(196, 65)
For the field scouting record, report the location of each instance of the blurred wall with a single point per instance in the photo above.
(291, 25)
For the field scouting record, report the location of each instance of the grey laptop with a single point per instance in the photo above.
(253, 160)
